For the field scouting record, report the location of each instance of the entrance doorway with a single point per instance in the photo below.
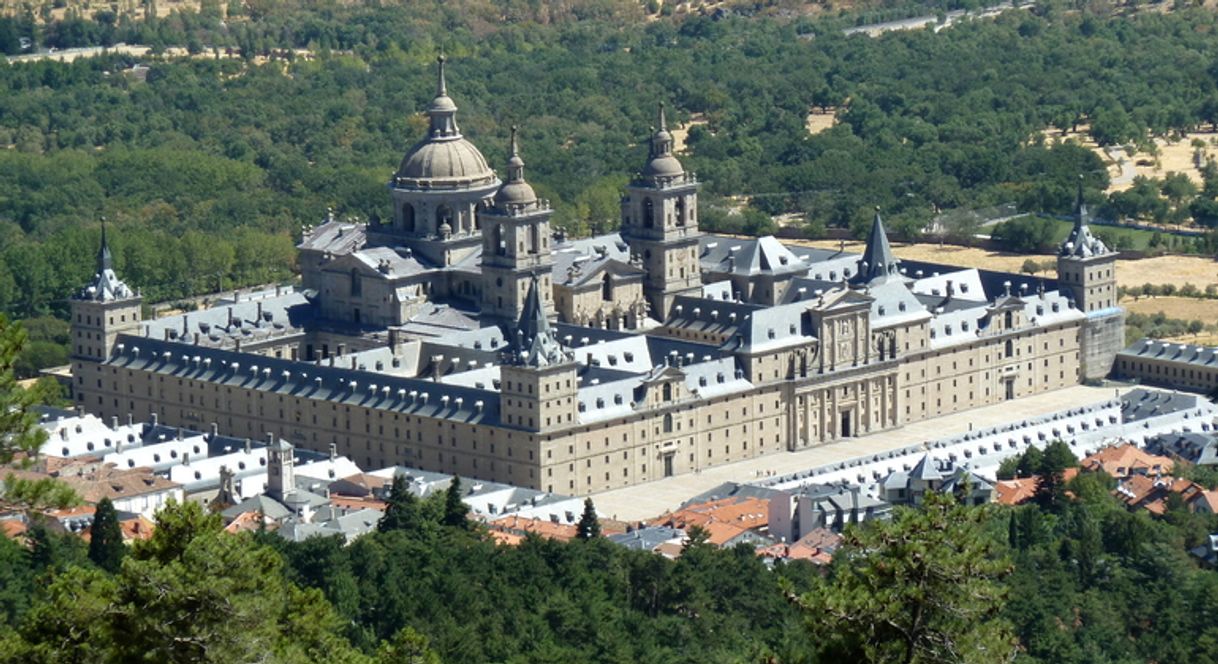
(847, 428)
(1010, 389)
(668, 465)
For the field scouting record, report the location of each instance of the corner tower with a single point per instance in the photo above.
(438, 189)
(1085, 266)
(515, 247)
(660, 223)
(538, 383)
(100, 312)
(1086, 271)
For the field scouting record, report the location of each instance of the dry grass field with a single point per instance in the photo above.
(951, 254)
(1183, 308)
(819, 121)
(1178, 270)
(681, 132)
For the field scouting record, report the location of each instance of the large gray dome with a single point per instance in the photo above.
(447, 161)
(662, 166)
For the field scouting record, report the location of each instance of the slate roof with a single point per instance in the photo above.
(306, 380)
(1140, 403)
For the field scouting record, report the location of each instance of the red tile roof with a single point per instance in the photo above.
(521, 526)
(1126, 459)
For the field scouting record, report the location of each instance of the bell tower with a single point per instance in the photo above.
(660, 223)
(515, 247)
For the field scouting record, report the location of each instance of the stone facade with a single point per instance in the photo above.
(410, 347)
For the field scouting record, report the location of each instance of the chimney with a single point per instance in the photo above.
(130, 419)
(166, 334)
(177, 435)
(854, 503)
(215, 430)
(230, 314)
(333, 451)
(259, 321)
(249, 445)
(114, 422)
(270, 439)
(951, 290)
(186, 458)
(153, 418)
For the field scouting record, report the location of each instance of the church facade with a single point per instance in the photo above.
(463, 336)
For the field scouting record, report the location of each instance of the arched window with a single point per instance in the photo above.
(649, 213)
(667, 391)
(497, 241)
(1010, 319)
(444, 215)
(607, 288)
(680, 211)
(1010, 348)
(534, 239)
(668, 423)
(408, 218)
(357, 287)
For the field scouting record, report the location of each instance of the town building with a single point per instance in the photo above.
(461, 335)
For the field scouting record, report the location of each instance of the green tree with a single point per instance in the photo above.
(402, 508)
(407, 647)
(455, 510)
(106, 547)
(205, 596)
(922, 588)
(589, 526)
(1051, 487)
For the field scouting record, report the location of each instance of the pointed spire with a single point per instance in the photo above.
(1080, 206)
(515, 195)
(661, 140)
(104, 260)
(1081, 243)
(515, 163)
(443, 111)
(106, 286)
(660, 161)
(536, 345)
(878, 262)
(441, 86)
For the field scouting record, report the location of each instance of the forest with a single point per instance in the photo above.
(207, 168)
(1071, 577)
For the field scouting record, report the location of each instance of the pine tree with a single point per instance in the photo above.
(589, 526)
(455, 510)
(106, 548)
(402, 509)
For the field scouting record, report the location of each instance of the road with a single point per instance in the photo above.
(919, 22)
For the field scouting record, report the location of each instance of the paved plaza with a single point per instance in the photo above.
(654, 498)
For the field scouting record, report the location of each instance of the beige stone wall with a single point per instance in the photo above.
(587, 306)
(1164, 371)
(791, 412)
